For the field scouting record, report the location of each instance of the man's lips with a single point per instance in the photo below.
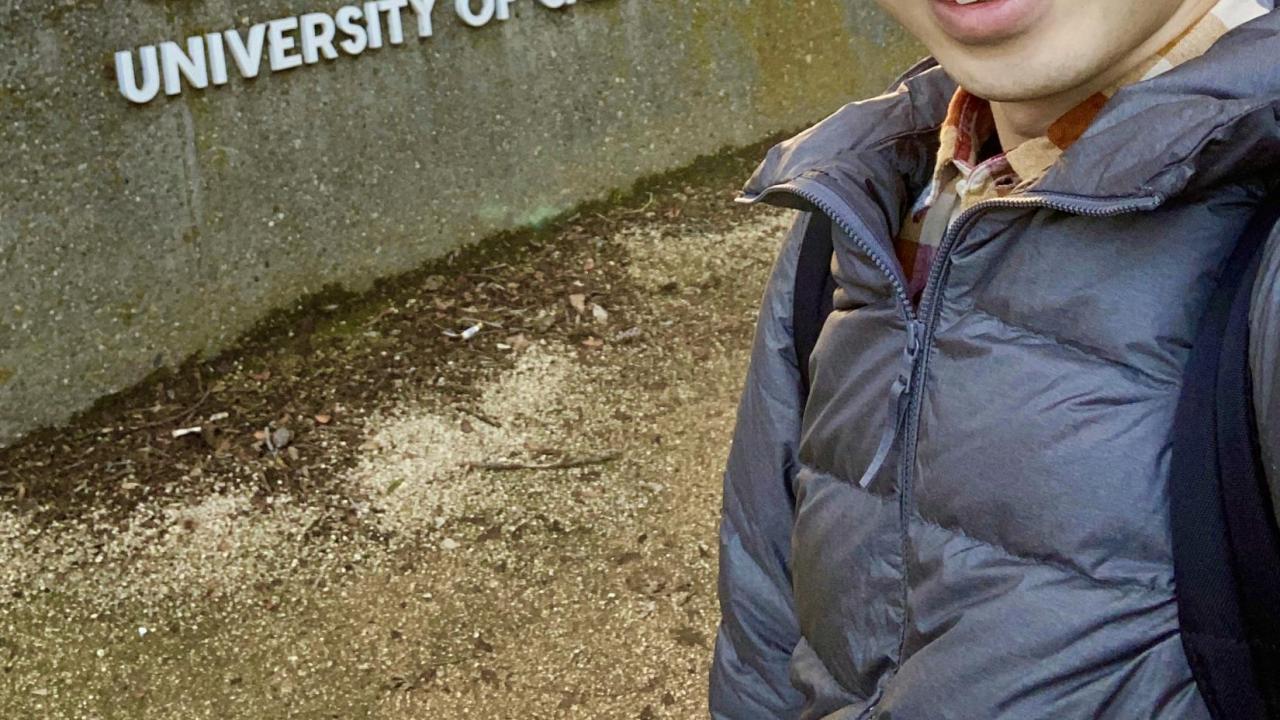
(980, 22)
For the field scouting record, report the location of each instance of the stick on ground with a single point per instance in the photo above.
(565, 464)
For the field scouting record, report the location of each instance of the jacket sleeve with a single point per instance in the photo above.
(1264, 360)
(758, 627)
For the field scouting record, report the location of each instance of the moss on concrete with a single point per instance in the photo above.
(136, 235)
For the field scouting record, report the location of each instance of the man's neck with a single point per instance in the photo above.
(1020, 121)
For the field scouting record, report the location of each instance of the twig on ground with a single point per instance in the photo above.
(565, 464)
(180, 418)
(642, 208)
(491, 422)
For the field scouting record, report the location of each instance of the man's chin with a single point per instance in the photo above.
(1023, 86)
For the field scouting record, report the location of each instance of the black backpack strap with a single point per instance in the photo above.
(811, 301)
(1226, 544)
(1251, 518)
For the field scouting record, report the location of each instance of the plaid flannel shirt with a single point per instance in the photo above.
(962, 177)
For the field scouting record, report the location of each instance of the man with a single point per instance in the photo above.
(962, 509)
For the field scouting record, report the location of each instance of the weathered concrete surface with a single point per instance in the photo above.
(132, 237)
(389, 568)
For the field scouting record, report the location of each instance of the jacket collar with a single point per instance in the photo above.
(1211, 120)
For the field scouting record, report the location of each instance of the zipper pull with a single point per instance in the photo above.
(898, 396)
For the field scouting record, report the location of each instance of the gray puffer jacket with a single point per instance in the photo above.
(1011, 558)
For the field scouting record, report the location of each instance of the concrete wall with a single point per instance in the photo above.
(132, 236)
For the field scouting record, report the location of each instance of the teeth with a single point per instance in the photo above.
(968, 2)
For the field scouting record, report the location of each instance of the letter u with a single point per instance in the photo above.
(150, 75)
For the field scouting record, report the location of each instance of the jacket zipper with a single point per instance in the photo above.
(829, 203)
(930, 303)
(929, 310)
(900, 391)
(905, 392)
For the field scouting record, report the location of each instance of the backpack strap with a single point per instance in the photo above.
(1226, 545)
(811, 300)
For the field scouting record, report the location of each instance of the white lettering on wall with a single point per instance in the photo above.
(279, 45)
(288, 43)
(190, 64)
(423, 9)
(481, 17)
(247, 56)
(357, 39)
(217, 58)
(395, 29)
(372, 26)
(318, 30)
(129, 86)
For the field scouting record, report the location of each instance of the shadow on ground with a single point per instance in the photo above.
(356, 514)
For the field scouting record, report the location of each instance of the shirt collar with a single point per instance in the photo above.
(969, 123)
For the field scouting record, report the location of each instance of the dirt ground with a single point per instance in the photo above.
(356, 514)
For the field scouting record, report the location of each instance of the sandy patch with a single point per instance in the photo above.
(662, 255)
(417, 461)
(216, 547)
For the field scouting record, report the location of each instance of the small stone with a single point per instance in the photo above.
(281, 437)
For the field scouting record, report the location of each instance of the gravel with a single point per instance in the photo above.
(385, 521)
